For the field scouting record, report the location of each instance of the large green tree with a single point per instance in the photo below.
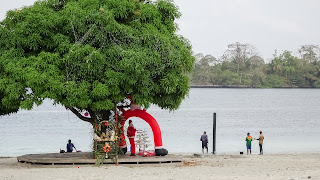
(89, 55)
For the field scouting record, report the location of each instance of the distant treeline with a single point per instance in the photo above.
(241, 66)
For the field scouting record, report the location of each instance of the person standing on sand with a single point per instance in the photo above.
(261, 138)
(248, 140)
(204, 139)
(70, 146)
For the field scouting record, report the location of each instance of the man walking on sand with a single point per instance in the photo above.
(248, 140)
(261, 138)
(204, 139)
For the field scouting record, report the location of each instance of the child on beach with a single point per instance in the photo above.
(248, 140)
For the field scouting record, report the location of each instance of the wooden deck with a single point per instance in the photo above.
(87, 158)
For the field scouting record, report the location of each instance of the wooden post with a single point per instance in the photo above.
(214, 128)
(116, 130)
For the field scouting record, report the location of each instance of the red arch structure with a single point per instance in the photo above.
(159, 150)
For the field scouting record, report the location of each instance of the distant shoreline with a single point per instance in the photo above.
(246, 87)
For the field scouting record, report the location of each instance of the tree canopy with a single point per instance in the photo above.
(91, 54)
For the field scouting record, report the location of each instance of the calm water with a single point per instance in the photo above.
(289, 119)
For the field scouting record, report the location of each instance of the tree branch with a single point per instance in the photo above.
(92, 114)
(74, 32)
(90, 120)
(85, 36)
(123, 106)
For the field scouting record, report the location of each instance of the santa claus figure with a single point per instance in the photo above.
(131, 132)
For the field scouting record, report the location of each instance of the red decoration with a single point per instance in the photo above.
(150, 120)
(105, 123)
(106, 148)
(86, 114)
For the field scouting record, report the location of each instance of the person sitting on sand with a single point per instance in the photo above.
(248, 140)
(70, 146)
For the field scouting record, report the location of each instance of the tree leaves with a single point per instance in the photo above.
(91, 54)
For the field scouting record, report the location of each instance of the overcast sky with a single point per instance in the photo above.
(211, 25)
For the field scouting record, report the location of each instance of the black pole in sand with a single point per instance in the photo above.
(214, 133)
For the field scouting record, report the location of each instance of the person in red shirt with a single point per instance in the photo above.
(131, 132)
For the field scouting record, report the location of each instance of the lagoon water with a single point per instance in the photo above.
(289, 119)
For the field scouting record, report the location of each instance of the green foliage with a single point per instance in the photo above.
(230, 78)
(275, 81)
(91, 54)
(317, 84)
(241, 66)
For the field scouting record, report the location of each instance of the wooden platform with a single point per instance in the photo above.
(87, 158)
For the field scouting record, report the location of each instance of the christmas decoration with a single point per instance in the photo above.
(142, 142)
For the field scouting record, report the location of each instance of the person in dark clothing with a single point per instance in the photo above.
(70, 146)
(204, 139)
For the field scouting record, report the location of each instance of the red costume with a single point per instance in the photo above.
(131, 132)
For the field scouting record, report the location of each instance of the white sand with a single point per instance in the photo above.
(299, 166)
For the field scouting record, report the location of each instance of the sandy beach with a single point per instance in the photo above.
(280, 166)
